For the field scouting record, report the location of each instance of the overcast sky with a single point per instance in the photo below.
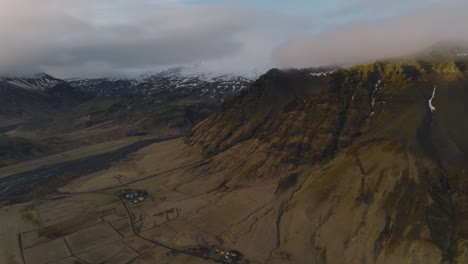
(92, 38)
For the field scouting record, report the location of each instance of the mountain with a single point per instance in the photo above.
(78, 112)
(176, 82)
(369, 162)
(184, 83)
(39, 81)
(103, 86)
(20, 103)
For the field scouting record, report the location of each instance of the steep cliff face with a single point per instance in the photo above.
(312, 115)
(370, 162)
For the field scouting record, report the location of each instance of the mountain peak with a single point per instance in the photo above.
(39, 81)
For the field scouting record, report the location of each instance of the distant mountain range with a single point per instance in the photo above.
(53, 114)
(180, 81)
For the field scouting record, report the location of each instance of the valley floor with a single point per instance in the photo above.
(197, 207)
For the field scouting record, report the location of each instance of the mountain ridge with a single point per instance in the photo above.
(385, 118)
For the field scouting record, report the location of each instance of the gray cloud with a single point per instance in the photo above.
(102, 38)
(369, 40)
(91, 38)
(48, 40)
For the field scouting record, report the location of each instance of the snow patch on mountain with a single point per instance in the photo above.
(318, 74)
(431, 106)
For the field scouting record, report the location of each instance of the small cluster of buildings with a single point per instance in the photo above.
(232, 256)
(135, 196)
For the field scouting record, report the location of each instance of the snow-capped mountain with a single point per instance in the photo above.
(182, 82)
(176, 82)
(168, 102)
(179, 82)
(39, 81)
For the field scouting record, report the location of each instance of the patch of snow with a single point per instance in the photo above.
(318, 74)
(431, 106)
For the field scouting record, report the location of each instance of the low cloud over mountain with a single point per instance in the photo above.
(95, 38)
(366, 41)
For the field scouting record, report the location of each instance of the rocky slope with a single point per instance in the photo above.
(370, 162)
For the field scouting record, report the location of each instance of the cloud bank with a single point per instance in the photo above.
(92, 38)
(367, 41)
